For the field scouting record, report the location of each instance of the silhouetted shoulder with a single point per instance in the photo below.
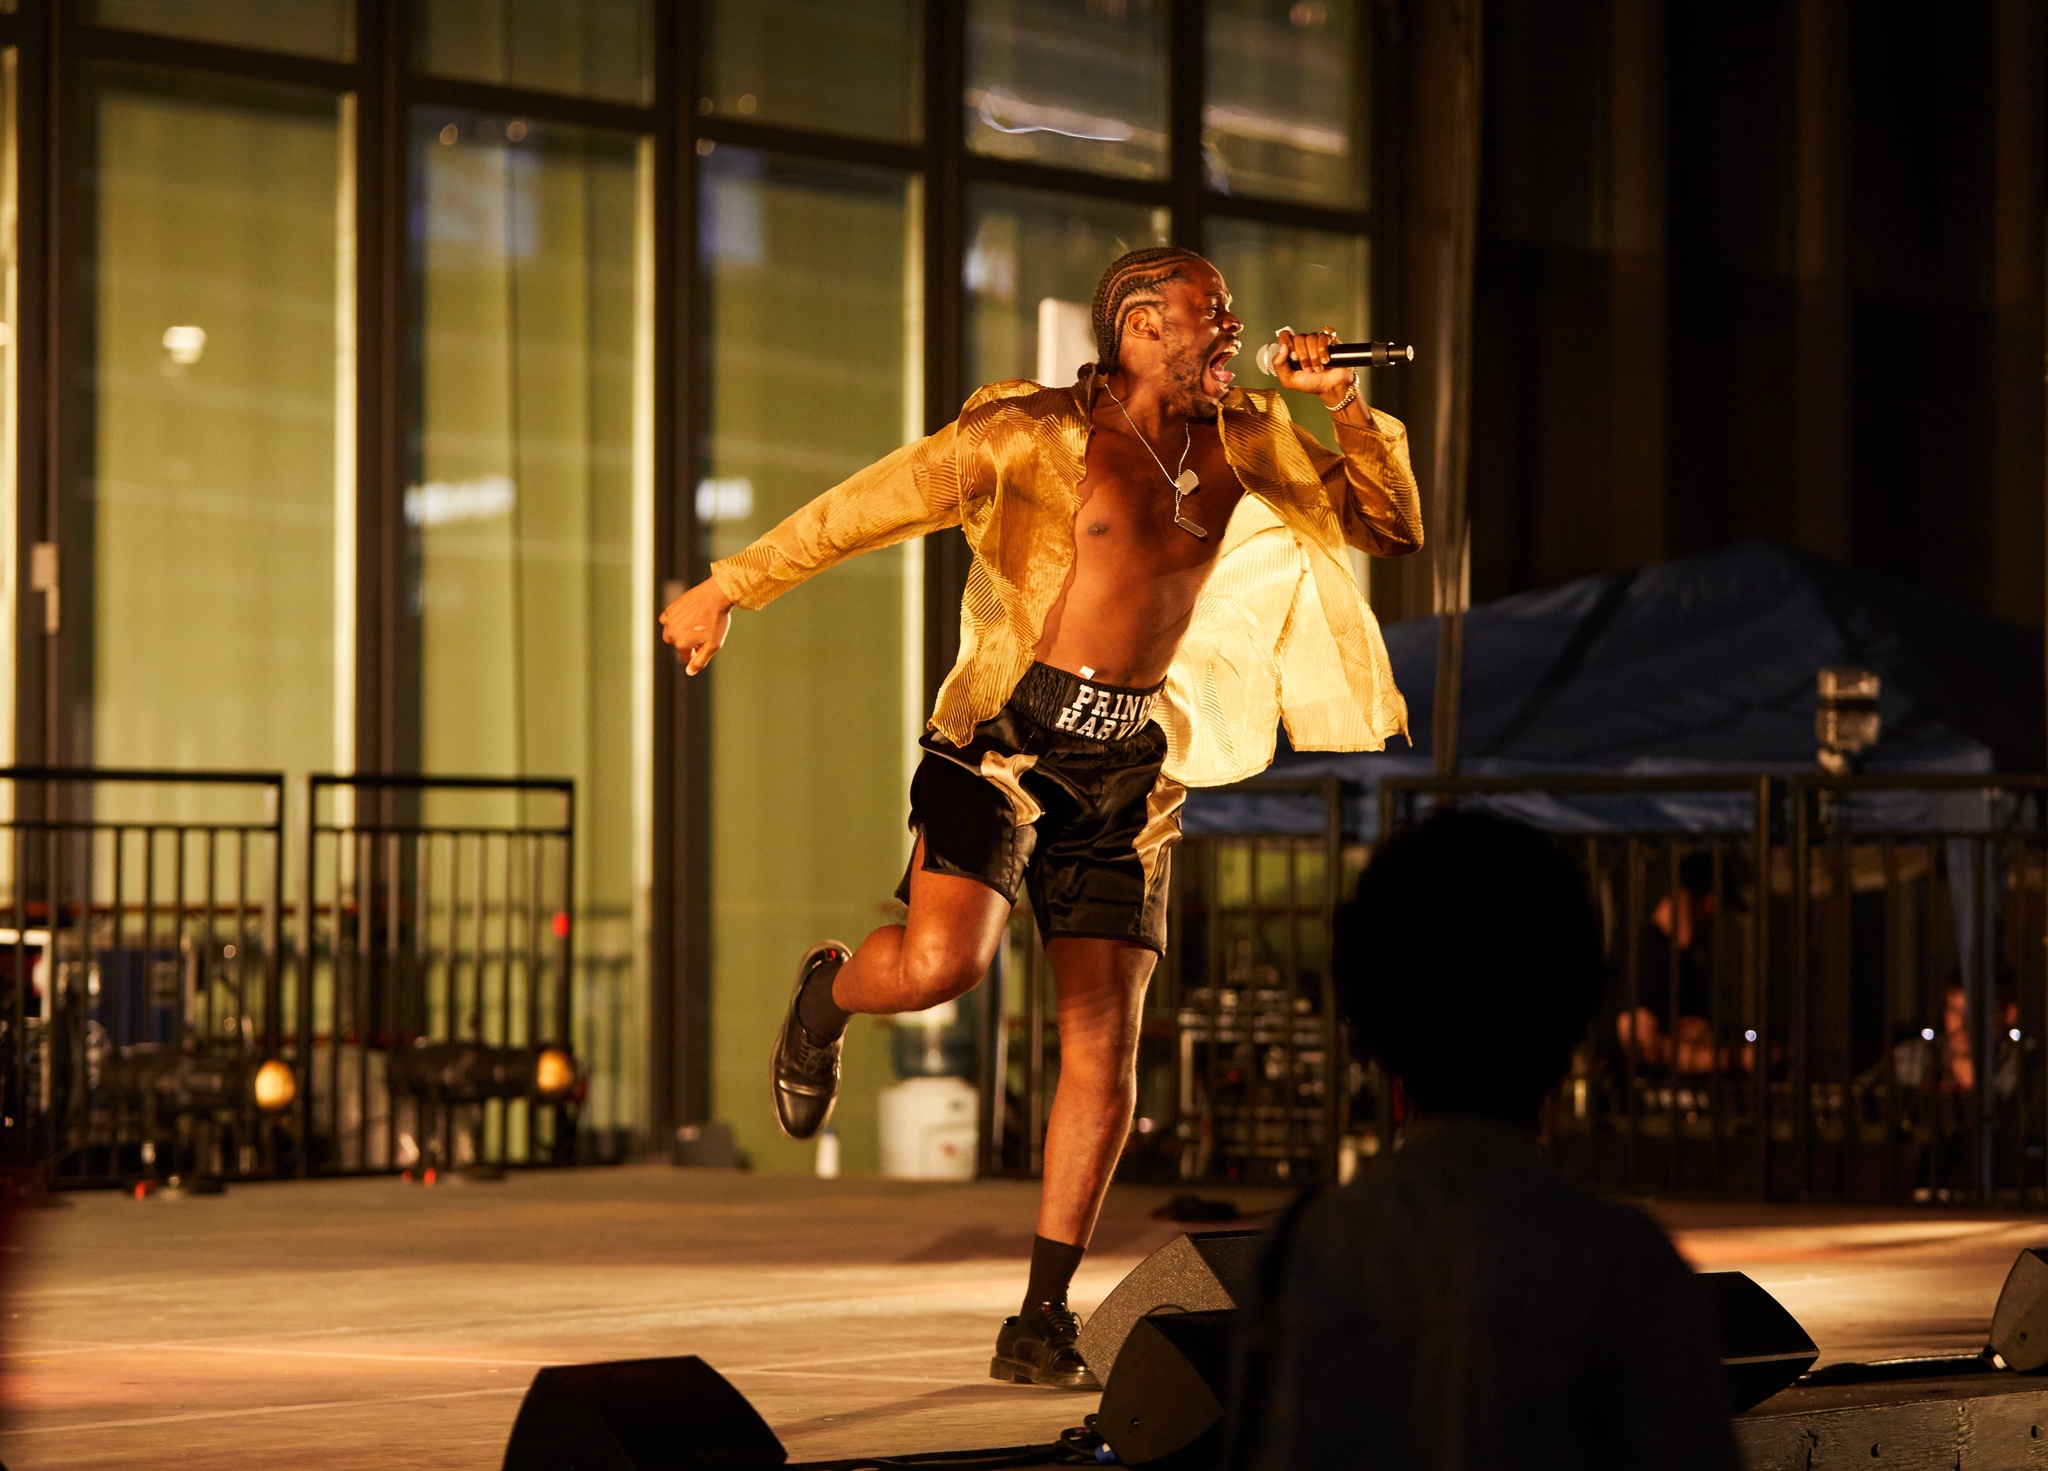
(1464, 1282)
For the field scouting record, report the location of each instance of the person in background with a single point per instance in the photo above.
(1460, 1304)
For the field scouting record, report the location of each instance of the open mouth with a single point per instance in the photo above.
(1218, 371)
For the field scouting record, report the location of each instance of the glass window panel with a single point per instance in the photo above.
(1281, 276)
(1287, 106)
(204, 590)
(816, 702)
(302, 27)
(585, 48)
(1033, 258)
(530, 513)
(1078, 83)
(835, 66)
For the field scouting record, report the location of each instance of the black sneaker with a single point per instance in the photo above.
(1037, 1347)
(803, 1073)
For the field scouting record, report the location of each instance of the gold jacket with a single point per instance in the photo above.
(1280, 633)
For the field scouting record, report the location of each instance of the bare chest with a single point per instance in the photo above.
(1128, 503)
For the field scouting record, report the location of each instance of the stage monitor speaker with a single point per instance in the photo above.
(1195, 1273)
(1763, 1348)
(1162, 1406)
(2019, 1324)
(639, 1415)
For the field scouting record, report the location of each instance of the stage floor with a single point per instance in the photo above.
(369, 1323)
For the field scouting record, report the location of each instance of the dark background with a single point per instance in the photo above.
(1761, 269)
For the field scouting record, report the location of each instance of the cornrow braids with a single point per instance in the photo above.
(1132, 279)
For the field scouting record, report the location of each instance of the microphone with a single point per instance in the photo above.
(1343, 355)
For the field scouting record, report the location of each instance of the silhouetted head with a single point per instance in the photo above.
(1469, 964)
(1164, 313)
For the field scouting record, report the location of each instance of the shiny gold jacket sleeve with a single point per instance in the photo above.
(909, 493)
(1371, 485)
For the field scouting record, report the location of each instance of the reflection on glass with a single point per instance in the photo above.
(1033, 259)
(206, 528)
(1285, 115)
(302, 27)
(1077, 83)
(816, 701)
(585, 48)
(834, 66)
(530, 510)
(1280, 276)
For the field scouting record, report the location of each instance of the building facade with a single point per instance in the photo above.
(374, 370)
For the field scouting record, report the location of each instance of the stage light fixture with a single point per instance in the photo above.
(274, 1087)
(471, 1072)
(204, 1081)
(554, 1073)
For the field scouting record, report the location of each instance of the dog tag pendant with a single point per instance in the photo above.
(1188, 484)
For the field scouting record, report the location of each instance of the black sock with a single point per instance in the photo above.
(1052, 1270)
(816, 1010)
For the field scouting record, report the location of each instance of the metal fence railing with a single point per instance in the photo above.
(187, 994)
(1665, 1095)
(1242, 1073)
(1821, 987)
(139, 956)
(1920, 995)
(1261, 1086)
(434, 973)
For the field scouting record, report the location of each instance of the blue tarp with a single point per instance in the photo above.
(1702, 664)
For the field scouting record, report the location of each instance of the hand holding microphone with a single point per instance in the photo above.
(1336, 355)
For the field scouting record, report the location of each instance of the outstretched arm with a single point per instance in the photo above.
(909, 493)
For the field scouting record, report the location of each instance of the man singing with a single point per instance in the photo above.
(1159, 579)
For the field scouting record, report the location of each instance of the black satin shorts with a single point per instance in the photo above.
(1060, 793)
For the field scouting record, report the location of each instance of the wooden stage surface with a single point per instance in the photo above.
(369, 1323)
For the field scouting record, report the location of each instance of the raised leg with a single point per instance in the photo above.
(1101, 986)
(941, 951)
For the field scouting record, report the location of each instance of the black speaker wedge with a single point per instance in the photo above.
(1763, 1348)
(2019, 1324)
(1193, 1273)
(639, 1415)
(1162, 1406)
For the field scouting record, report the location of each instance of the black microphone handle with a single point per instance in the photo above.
(1371, 354)
(1347, 355)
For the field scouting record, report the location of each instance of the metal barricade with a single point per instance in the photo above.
(1242, 1073)
(1262, 1087)
(434, 974)
(1821, 987)
(1920, 995)
(1670, 1092)
(139, 952)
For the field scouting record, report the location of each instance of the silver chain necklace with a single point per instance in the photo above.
(1184, 484)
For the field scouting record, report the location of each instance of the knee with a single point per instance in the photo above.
(1102, 1063)
(934, 974)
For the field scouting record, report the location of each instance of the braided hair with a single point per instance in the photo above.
(1133, 279)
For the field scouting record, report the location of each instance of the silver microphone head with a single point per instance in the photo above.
(1269, 359)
